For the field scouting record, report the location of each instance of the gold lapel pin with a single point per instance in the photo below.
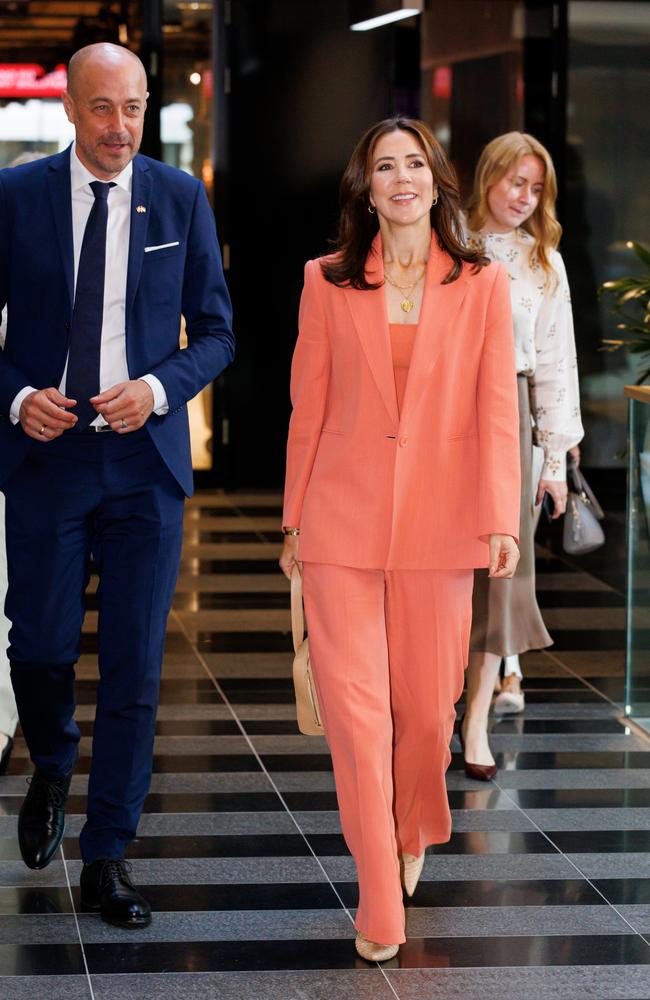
(140, 208)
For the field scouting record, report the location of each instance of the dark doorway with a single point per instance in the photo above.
(304, 88)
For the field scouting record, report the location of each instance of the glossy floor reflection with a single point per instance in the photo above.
(542, 892)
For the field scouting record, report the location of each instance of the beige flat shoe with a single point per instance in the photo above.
(510, 700)
(410, 870)
(373, 952)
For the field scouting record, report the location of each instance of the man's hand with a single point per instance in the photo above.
(558, 492)
(43, 414)
(126, 406)
(504, 556)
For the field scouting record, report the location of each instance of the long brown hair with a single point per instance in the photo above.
(358, 227)
(498, 157)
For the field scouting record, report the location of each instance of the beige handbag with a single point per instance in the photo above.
(307, 711)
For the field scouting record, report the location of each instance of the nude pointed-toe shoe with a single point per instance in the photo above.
(373, 952)
(411, 869)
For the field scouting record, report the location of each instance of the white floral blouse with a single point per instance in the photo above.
(545, 347)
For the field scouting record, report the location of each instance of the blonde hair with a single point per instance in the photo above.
(497, 158)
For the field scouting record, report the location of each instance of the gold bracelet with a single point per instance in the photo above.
(290, 531)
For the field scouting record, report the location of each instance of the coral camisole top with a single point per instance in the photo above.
(402, 338)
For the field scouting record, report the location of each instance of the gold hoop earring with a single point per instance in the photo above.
(435, 201)
(371, 209)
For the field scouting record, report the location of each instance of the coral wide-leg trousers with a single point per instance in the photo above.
(388, 649)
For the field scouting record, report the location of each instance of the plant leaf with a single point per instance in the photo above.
(642, 253)
(629, 298)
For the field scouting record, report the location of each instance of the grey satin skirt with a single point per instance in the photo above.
(505, 616)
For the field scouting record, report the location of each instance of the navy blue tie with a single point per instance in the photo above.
(82, 379)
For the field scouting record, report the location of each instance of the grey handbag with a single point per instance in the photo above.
(582, 531)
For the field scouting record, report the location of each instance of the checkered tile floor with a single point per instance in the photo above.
(542, 892)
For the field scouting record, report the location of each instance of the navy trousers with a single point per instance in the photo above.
(111, 496)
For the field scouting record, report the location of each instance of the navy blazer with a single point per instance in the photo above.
(37, 281)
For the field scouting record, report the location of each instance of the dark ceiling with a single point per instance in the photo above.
(49, 31)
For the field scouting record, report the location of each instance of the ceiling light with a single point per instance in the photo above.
(195, 78)
(368, 14)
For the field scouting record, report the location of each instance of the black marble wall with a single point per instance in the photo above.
(303, 89)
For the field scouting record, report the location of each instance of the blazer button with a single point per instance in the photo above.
(403, 442)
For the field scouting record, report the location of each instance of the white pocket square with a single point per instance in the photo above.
(162, 246)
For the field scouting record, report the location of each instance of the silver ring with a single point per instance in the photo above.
(42, 429)
(124, 423)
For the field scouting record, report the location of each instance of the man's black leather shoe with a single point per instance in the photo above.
(42, 818)
(106, 887)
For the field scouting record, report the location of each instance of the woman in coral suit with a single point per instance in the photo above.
(402, 477)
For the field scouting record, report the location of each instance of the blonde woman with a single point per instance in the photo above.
(511, 217)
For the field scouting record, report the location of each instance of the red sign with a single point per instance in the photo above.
(442, 82)
(31, 80)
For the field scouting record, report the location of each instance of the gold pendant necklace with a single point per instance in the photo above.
(407, 302)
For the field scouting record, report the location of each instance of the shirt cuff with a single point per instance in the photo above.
(14, 412)
(554, 467)
(160, 404)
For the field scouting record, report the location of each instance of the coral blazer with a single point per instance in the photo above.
(371, 489)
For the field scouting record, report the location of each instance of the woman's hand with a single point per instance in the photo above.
(557, 491)
(289, 557)
(504, 556)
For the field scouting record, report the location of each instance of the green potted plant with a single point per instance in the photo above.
(631, 304)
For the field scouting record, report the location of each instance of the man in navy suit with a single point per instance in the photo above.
(101, 251)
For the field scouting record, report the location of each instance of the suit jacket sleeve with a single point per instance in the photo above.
(4, 257)
(310, 372)
(11, 379)
(498, 418)
(207, 311)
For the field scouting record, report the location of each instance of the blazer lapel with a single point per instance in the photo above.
(440, 304)
(371, 322)
(140, 199)
(58, 178)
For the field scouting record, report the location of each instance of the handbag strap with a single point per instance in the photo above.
(297, 610)
(573, 476)
(578, 484)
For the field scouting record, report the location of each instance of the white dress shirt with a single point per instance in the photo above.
(113, 367)
(545, 348)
